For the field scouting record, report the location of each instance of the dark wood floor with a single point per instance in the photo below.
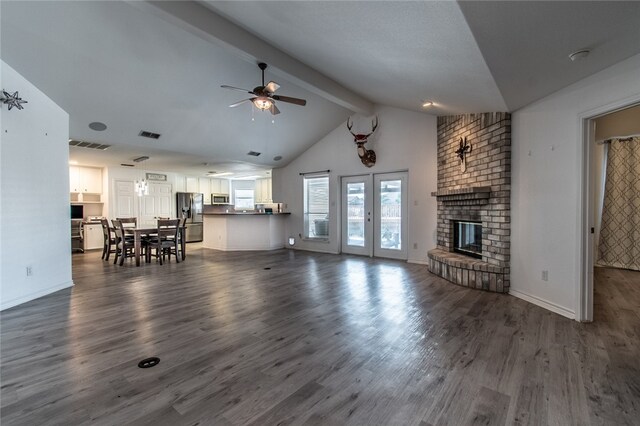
(318, 340)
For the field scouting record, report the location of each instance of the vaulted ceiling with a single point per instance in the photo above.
(158, 66)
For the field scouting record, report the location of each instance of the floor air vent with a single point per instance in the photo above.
(149, 362)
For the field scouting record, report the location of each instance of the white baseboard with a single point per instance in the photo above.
(560, 310)
(312, 250)
(418, 261)
(36, 295)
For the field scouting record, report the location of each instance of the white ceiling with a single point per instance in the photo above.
(392, 53)
(159, 66)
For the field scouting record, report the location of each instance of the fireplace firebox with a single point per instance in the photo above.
(467, 238)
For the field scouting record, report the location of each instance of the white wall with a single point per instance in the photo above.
(405, 140)
(34, 206)
(546, 201)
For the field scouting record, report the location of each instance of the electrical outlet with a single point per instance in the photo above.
(415, 246)
(29, 271)
(545, 275)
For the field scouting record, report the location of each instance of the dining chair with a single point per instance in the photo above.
(165, 242)
(125, 246)
(108, 239)
(128, 222)
(182, 236)
(77, 235)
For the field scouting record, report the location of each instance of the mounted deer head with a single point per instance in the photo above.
(367, 156)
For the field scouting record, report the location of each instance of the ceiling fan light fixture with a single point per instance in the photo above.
(262, 102)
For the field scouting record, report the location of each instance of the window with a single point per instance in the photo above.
(316, 207)
(243, 199)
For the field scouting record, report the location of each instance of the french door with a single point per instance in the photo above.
(374, 215)
(156, 204)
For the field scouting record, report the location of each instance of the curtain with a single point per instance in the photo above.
(620, 233)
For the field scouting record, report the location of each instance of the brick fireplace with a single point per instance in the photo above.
(479, 195)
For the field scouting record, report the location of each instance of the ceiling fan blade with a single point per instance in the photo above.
(289, 100)
(240, 103)
(274, 109)
(272, 86)
(236, 88)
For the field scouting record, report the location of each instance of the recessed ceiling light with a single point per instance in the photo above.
(579, 55)
(277, 158)
(427, 104)
(97, 126)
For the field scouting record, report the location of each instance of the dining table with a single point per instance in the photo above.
(140, 231)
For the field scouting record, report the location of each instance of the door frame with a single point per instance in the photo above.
(586, 203)
(403, 253)
(368, 248)
(371, 176)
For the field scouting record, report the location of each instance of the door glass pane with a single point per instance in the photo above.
(391, 214)
(355, 214)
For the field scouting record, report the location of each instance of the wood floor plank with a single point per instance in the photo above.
(318, 339)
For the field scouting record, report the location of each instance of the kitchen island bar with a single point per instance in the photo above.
(244, 231)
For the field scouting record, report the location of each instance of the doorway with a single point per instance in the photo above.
(157, 203)
(604, 238)
(374, 215)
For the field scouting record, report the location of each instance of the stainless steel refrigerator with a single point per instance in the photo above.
(189, 205)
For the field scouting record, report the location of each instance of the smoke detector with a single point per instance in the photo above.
(579, 55)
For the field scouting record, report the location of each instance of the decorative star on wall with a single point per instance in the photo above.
(12, 100)
(465, 148)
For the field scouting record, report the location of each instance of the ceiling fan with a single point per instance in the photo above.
(264, 96)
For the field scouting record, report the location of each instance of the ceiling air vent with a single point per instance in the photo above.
(253, 153)
(150, 135)
(126, 165)
(85, 144)
(140, 159)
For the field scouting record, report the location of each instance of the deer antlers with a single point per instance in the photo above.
(367, 156)
(362, 137)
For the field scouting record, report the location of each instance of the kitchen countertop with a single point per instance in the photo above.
(245, 214)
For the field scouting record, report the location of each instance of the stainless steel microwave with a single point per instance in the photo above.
(219, 199)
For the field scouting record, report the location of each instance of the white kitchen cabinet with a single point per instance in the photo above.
(269, 184)
(219, 186)
(224, 186)
(91, 179)
(257, 192)
(74, 179)
(204, 187)
(215, 186)
(263, 190)
(192, 184)
(92, 236)
(86, 180)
